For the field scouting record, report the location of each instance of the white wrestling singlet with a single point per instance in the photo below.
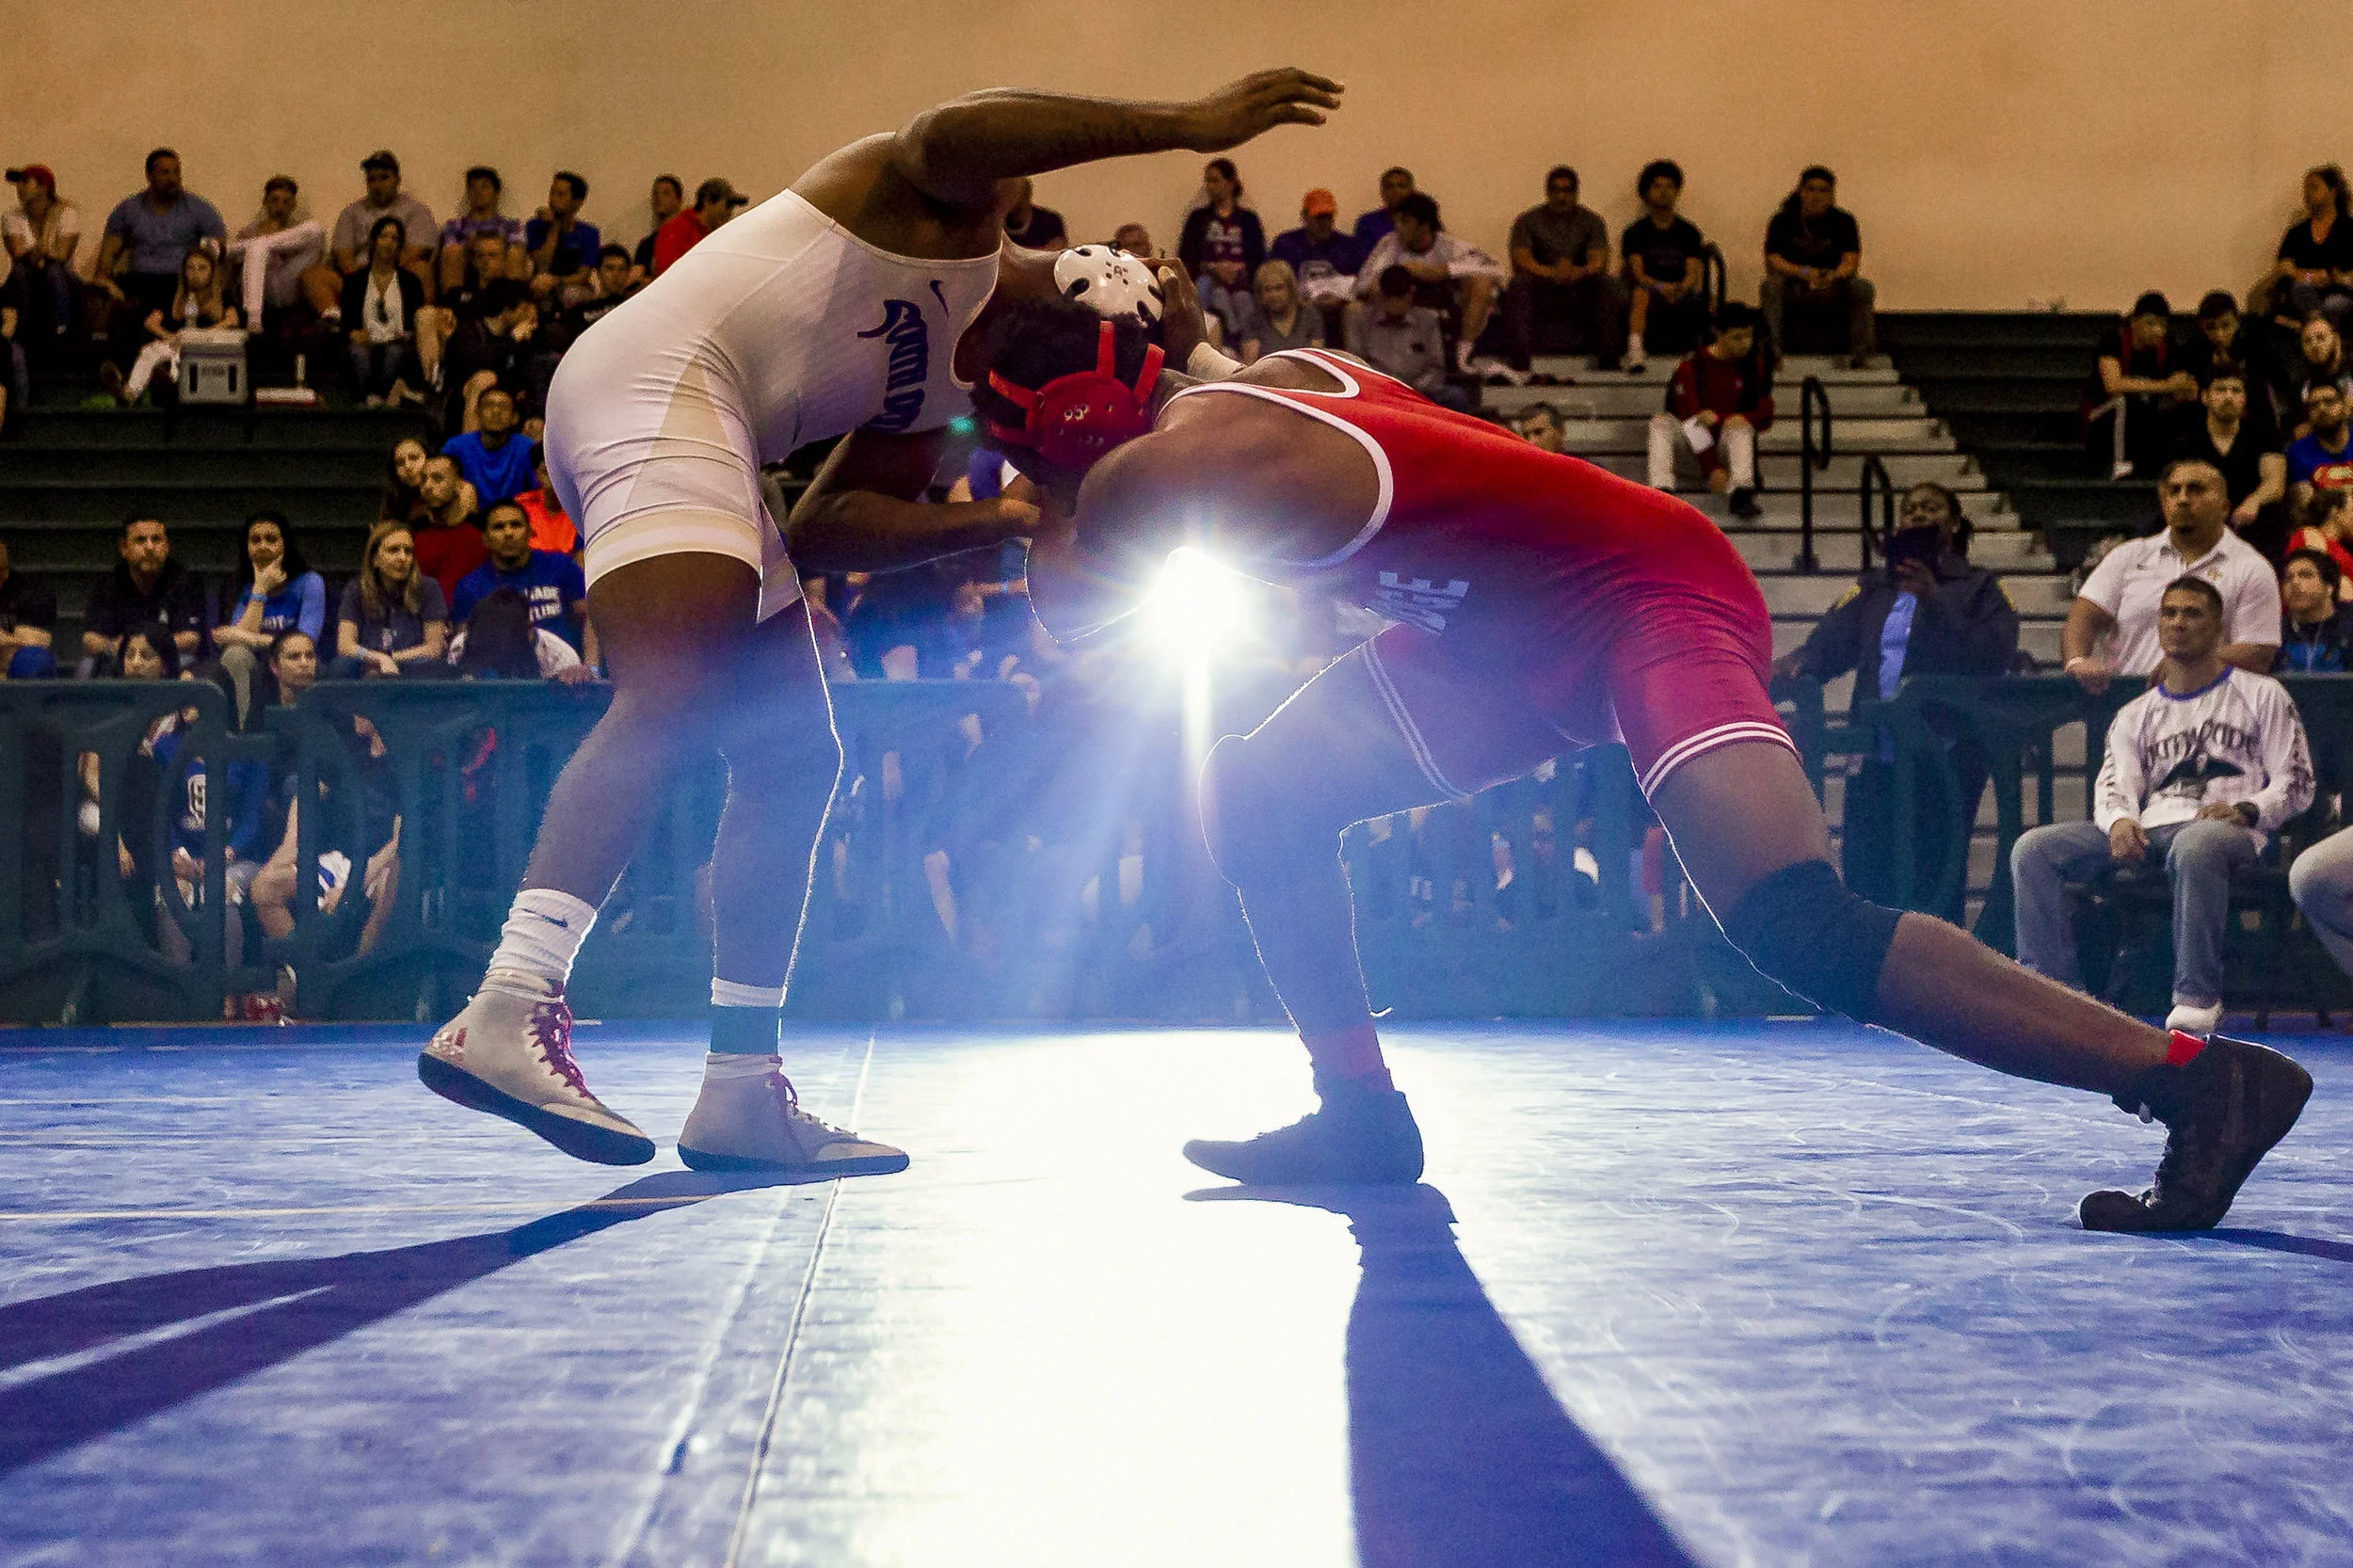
(778, 329)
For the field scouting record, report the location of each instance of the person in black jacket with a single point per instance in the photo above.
(1925, 612)
(380, 305)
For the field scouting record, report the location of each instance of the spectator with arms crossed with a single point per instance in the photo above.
(2322, 458)
(2117, 607)
(2314, 272)
(1562, 280)
(2201, 769)
(1813, 258)
(147, 586)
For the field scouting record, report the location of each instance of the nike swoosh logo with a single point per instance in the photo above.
(942, 295)
(560, 925)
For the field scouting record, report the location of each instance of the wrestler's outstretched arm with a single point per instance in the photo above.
(957, 152)
(865, 511)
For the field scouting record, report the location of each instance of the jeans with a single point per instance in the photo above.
(1855, 295)
(2199, 858)
(2321, 882)
(374, 366)
(1589, 314)
(50, 283)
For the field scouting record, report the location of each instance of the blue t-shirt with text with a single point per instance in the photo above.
(550, 583)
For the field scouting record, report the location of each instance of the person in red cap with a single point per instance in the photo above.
(41, 236)
(1323, 259)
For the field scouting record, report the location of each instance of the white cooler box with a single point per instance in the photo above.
(212, 366)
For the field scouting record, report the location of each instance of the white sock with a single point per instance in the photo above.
(542, 934)
(721, 1067)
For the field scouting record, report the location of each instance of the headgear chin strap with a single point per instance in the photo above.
(1073, 419)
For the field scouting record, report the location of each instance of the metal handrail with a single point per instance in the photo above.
(1812, 455)
(1875, 471)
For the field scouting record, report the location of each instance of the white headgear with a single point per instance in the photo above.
(1112, 283)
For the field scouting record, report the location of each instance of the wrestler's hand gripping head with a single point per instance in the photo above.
(1055, 413)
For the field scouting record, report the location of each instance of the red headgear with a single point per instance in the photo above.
(1073, 419)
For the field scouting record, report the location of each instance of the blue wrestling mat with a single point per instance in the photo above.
(1718, 1294)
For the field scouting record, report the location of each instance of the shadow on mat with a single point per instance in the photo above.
(293, 1305)
(2277, 1241)
(1458, 1453)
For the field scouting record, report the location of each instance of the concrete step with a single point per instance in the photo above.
(1845, 473)
(1788, 593)
(1839, 550)
(1608, 396)
(1833, 372)
(187, 462)
(179, 503)
(1622, 434)
(354, 429)
(2038, 636)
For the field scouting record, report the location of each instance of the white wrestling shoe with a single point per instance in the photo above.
(756, 1123)
(2201, 1022)
(510, 1053)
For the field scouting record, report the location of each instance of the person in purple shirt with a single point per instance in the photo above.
(550, 583)
(1396, 185)
(1317, 249)
(495, 460)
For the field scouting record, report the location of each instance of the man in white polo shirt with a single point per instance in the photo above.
(2112, 625)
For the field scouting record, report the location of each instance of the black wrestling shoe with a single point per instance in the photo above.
(1358, 1136)
(2223, 1112)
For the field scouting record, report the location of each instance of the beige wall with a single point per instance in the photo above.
(1996, 151)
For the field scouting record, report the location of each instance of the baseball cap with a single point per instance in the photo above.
(1320, 200)
(38, 172)
(713, 189)
(380, 158)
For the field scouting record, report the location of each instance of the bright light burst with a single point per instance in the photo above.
(1195, 605)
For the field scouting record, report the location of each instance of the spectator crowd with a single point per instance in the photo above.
(2242, 417)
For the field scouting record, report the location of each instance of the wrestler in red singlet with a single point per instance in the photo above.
(1537, 598)
(1612, 610)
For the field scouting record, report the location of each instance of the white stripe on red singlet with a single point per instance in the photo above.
(1287, 397)
(1395, 701)
(1708, 740)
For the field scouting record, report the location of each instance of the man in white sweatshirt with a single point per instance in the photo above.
(2202, 768)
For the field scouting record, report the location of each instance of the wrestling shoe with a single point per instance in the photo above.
(2222, 1111)
(1359, 1135)
(510, 1053)
(757, 1124)
(2192, 1019)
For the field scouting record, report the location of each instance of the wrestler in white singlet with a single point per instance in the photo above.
(780, 328)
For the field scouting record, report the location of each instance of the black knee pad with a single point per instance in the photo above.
(1802, 927)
